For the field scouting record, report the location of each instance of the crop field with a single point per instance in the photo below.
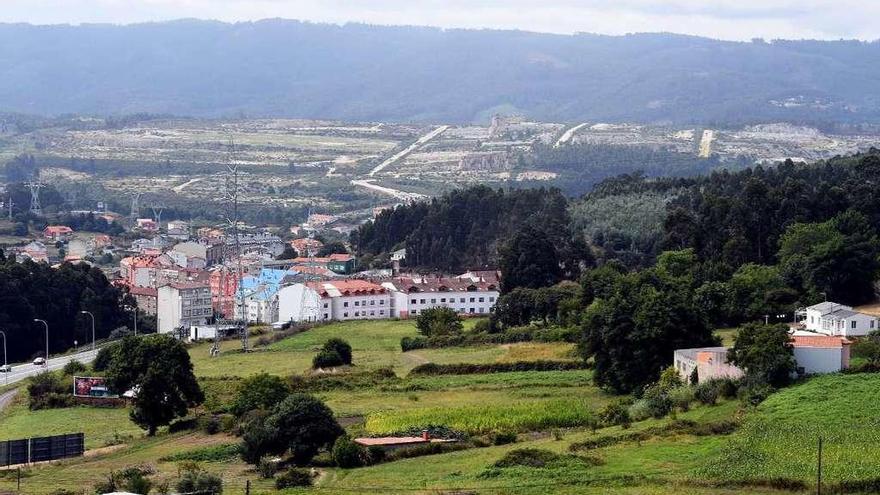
(780, 439)
(375, 344)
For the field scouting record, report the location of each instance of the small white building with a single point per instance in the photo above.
(709, 363)
(299, 303)
(182, 304)
(830, 318)
(820, 353)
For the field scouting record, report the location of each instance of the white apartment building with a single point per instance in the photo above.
(468, 294)
(334, 300)
(830, 318)
(182, 304)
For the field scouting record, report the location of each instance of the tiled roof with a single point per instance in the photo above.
(823, 341)
(143, 291)
(336, 288)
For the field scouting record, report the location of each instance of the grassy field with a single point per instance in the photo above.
(374, 343)
(780, 439)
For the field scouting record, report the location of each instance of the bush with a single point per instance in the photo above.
(327, 359)
(214, 453)
(439, 321)
(47, 391)
(74, 367)
(262, 391)
(536, 458)
(413, 343)
(199, 481)
(681, 397)
(209, 424)
(504, 438)
(754, 394)
(267, 467)
(707, 393)
(669, 379)
(483, 325)
(657, 401)
(293, 477)
(104, 357)
(348, 454)
(640, 410)
(616, 413)
(474, 369)
(341, 347)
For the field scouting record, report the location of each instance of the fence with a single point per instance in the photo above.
(40, 449)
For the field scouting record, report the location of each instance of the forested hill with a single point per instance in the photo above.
(359, 72)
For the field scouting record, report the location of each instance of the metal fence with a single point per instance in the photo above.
(40, 449)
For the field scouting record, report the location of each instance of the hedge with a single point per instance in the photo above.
(476, 369)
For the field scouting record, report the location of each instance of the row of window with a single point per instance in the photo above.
(480, 310)
(197, 312)
(451, 299)
(358, 314)
(362, 303)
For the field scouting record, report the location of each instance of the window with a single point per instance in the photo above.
(482, 299)
(491, 299)
(872, 323)
(373, 302)
(472, 299)
(422, 301)
(326, 316)
(412, 301)
(481, 309)
(382, 302)
(853, 324)
(381, 311)
(433, 301)
(372, 313)
(345, 304)
(345, 315)
(356, 314)
(443, 299)
(325, 305)
(461, 300)
(472, 310)
(357, 303)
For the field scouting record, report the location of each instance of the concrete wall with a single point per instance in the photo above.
(819, 359)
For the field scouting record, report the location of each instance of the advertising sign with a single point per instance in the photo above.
(91, 386)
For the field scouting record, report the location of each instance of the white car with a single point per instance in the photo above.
(40, 361)
(5, 368)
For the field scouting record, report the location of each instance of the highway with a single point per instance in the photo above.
(23, 370)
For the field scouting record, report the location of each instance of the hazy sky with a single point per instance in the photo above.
(726, 19)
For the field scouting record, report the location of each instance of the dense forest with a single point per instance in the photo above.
(35, 290)
(369, 73)
(464, 228)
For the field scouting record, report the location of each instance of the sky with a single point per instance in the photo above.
(722, 19)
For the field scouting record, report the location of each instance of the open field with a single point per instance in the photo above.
(375, 344)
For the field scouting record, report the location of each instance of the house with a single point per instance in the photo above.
(336, 300)
(396, 443)
(146, 298)
(223, 281)
(708, 362)
(78, 248)
(35, 251)
(830, 318)
(178, 229)
(466, 295)
(182, 304)
(813, 354)
(57, 232)
(820, 353)
(147, 224)
(101, 241)
(306, 247)
(344, 264)
(259, 293)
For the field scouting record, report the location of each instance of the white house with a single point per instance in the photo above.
(830, 318)
(467, 294)
(182, 304)
(709, 362)
(820, 353)
(298, 302)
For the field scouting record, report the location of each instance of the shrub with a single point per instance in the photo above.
(640, 410)
(199, 481)
(727, 387)
(104, 357)
(267, 467)
(262, 391)
(681, 397)
(348, 454)
(302, 424)
(293, 477)
(74, 367)
(482, 326)
(754, 394)
(504, 438)
(616, 413)
(214, 453)
(474, 369)
(707, 393)
(209, 424)
(669, 379)
(439, 321)
(658, 401)
(47, 391)
(341, 347)
(538, 458)
(425, 449)
(413, 343)
(327, 359)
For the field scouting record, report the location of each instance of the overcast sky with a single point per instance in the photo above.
(725, 19)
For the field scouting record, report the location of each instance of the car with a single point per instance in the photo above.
(40, 361)
(5, 368)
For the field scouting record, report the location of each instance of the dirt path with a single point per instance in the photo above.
(6, 398)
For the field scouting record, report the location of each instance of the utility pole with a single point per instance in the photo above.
(46, 364)
(819, 470)
(6, 370)
(93, 326)
(232, 193)
(135, 208)
(10, 208)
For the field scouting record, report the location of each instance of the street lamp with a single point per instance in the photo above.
(46, 364)
(134, 309)
(93, 326)
(5, 370)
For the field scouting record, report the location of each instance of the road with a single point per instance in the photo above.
(409, 149)
(21, 371)
(402, 195)
(566, 137)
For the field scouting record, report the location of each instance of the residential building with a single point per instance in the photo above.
(146, 299)
(78, 248)
(35, 251)
(147, 224)
(183, 304)
(813, 354)
(306, 247)
(336, 300)
(708, 362)
(820, 353)
(259, 293)
(223, 281)
(101, 241)
(344, 264)
(466, 294)
(830, 318)
(178, 229)
(57, 232)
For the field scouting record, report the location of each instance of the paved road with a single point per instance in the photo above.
(21, 371)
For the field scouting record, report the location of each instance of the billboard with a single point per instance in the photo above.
(92, 386)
